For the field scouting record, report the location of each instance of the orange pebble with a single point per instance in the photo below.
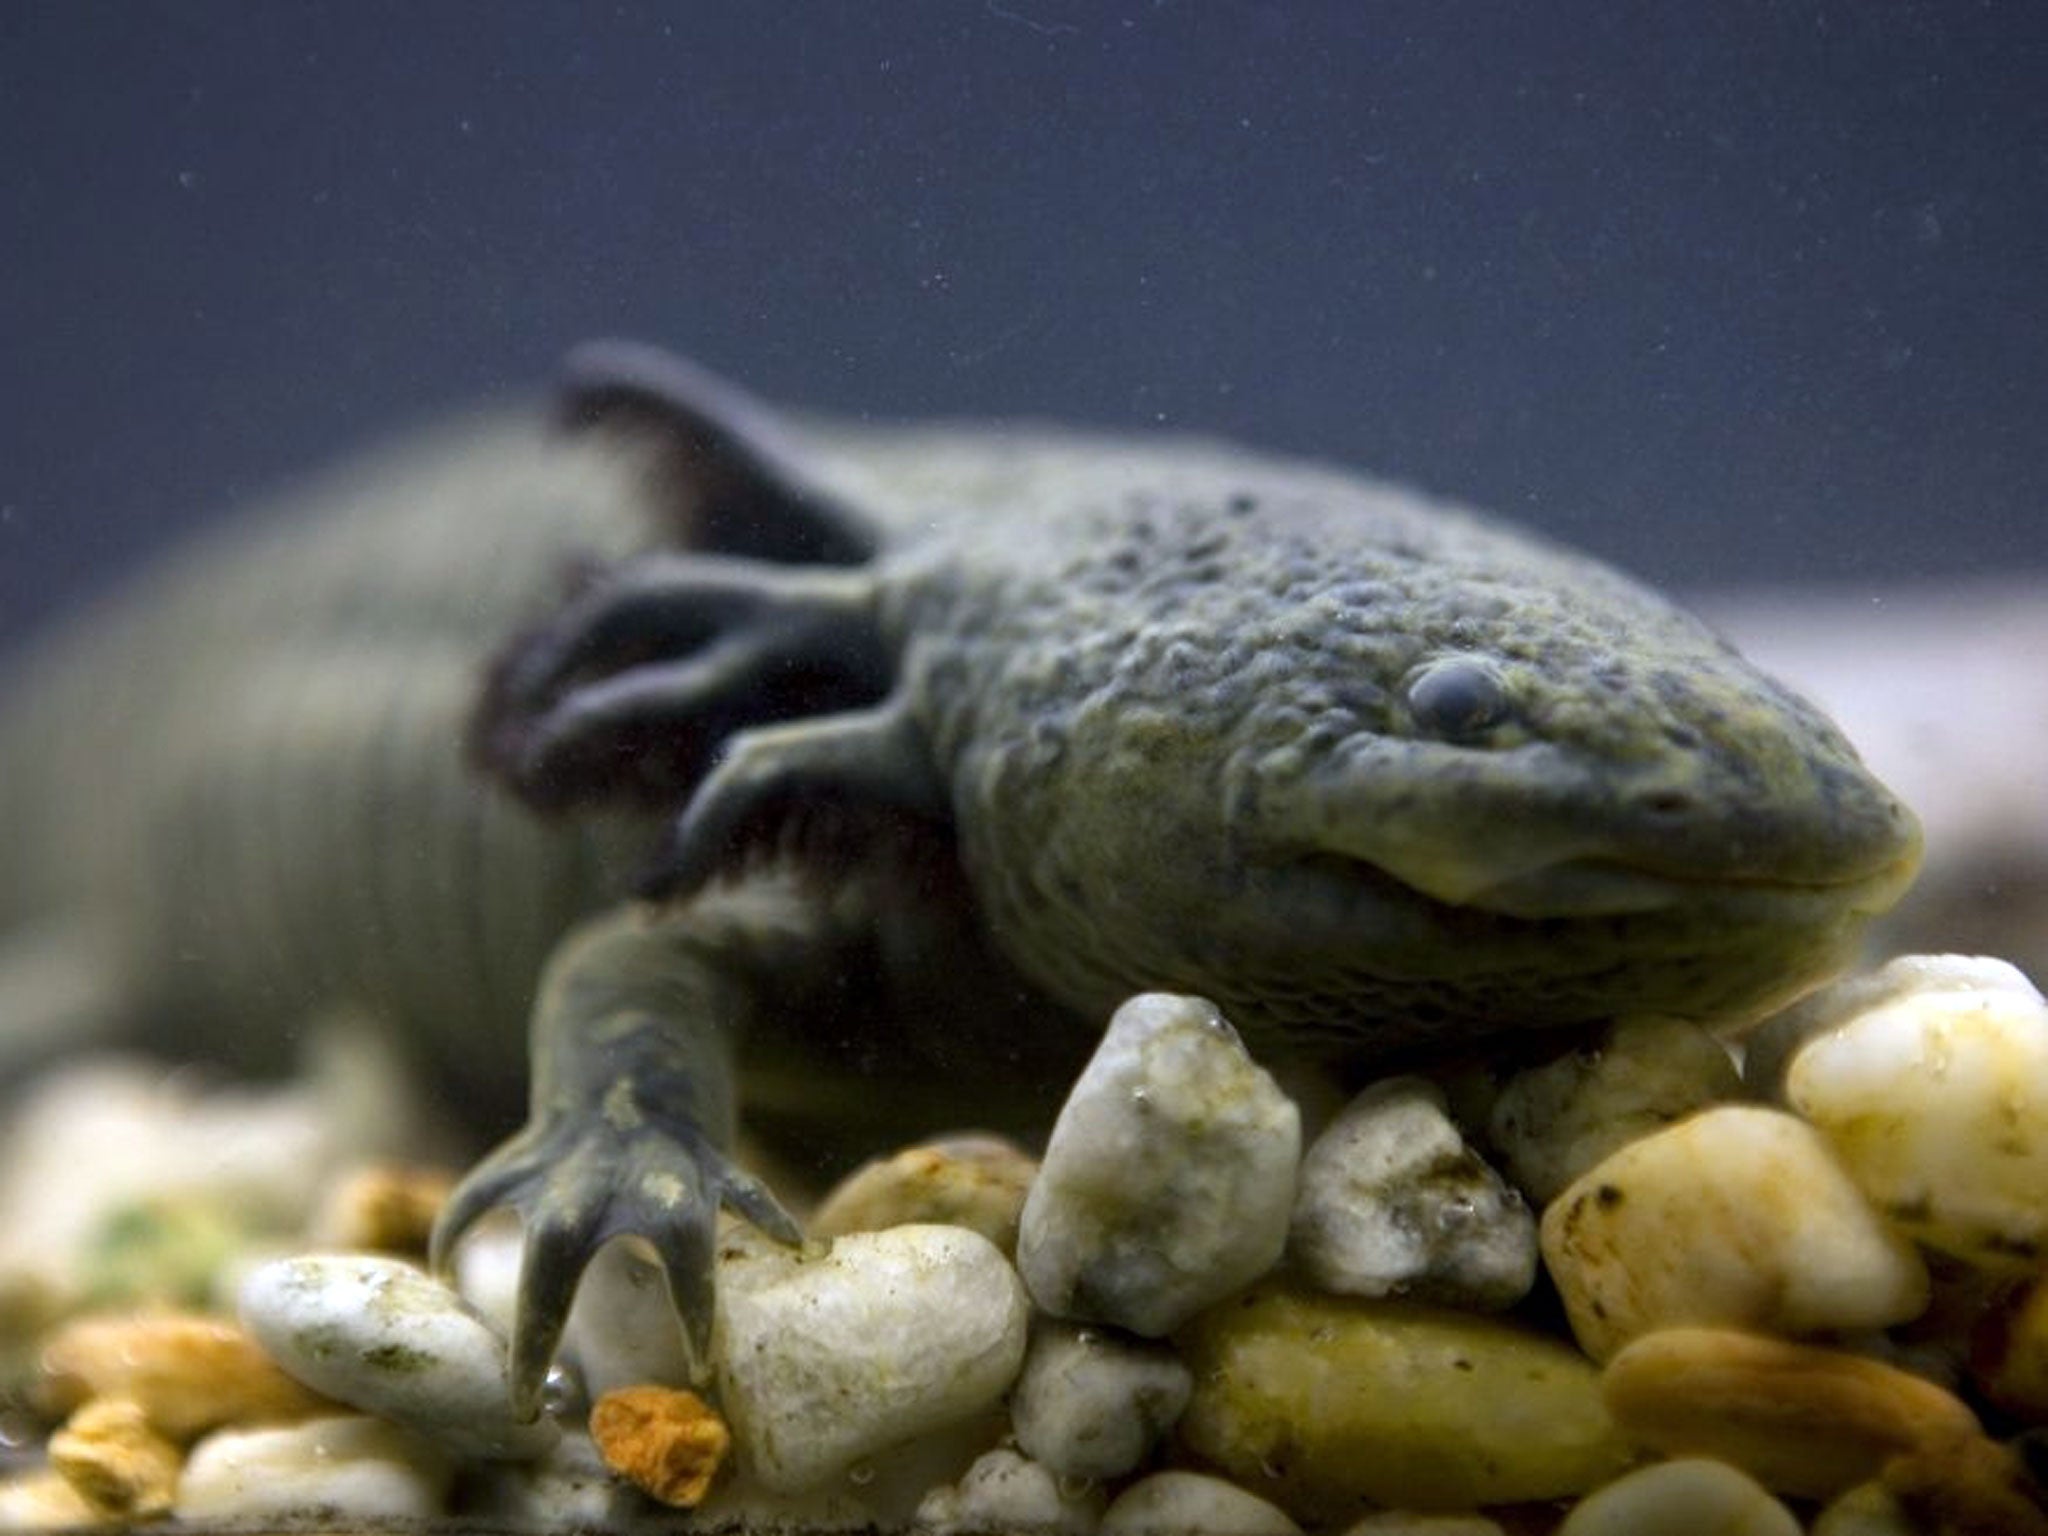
(664, 1441)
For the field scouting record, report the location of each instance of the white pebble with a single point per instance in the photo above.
(1092, 1405)
(1169, 1175)
(569, 1488)
(1692, 1497)
(1179, 1503)
(1004, 1491)
(1738, 1217)
(1936, 1099)
(1393, 1203)
(822, 1361)
(353, 1470)
(1553, 1122)
(382, 1336)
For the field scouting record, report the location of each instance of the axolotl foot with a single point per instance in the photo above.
(577, 1182)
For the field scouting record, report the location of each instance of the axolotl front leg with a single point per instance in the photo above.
(634, 1040)
(759, 697)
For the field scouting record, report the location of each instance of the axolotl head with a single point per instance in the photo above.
(1364, 769)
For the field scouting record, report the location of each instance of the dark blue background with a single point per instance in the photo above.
(1722, 290)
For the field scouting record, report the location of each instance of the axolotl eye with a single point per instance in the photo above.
(1457, 698)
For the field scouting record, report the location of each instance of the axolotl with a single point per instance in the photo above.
(858, 771)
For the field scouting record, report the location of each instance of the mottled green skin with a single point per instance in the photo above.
(972, 733)
(1164, 685)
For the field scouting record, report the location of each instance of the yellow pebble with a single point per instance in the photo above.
(117, 1462)
(666, 1442)
(189, 1372)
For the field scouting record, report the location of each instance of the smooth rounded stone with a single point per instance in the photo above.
(1182, 1503)
(1800, 1420)
(977, 1182)
(1868, 1509)
(1692, 1497)
(1768, 1050)
(1402, 1522)
(43, 1501)
(1739, 1216)
(1552, 1123)
(1092, 1404)
(1936, 1100)
(824, 1360)
(386, 1338)
(188, 1372)
(1004, 1491)
(1332, 1405)
(110, 1453)
(352, 1469)
(1393, 1203)
(1169, 1176)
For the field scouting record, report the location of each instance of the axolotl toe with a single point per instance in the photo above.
(931, 744)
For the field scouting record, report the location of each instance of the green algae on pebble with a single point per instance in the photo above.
(1331, 1406)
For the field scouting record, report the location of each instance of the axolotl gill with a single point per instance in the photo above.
(742, 754)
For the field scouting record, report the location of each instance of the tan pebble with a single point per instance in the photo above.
(384, 1208)
(978, 1182)
(189, 1372)
(1332, 1406)
(666, 1442)
(2009, 1354)
(1966, 1486)
(44, 1501)
(1690, 1497)
(1803, 1421)
(1738, 1217)
(123, 1467)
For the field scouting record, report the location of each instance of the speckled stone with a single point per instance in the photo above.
(1004, 1491)
(1180, 1503)
(1691, 1497)
(1331, 1406)
(1091, 1403)
(1393, 1203)
(824, 1360)
(1739, 1216)
(1936, 1100)
(349, 1470)
(1552, 1123)
(977, 1182)
(1169, 1176)
(386, 1338)
(1802, 1421)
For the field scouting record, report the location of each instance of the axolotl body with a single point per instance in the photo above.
(922, 747)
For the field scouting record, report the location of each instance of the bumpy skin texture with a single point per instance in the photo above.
(960, 735)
